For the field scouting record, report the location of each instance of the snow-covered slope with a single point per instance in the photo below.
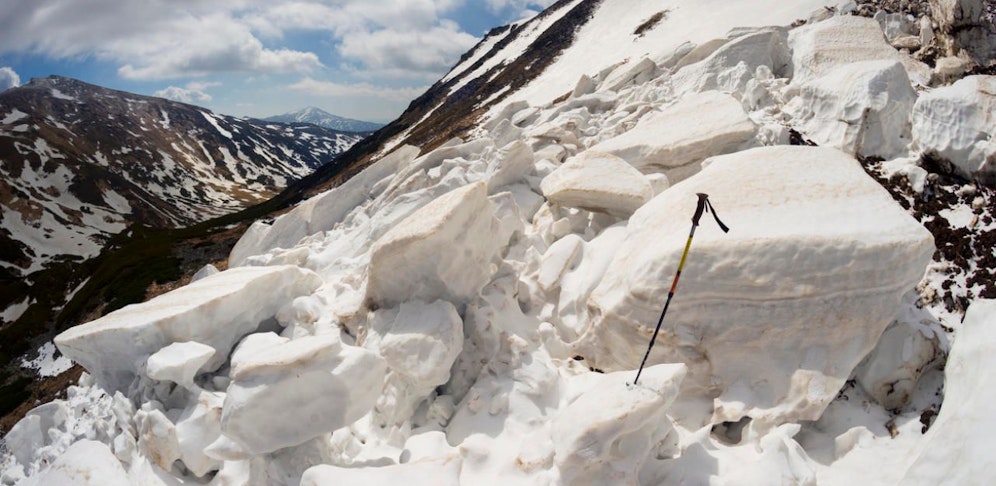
(322, 118)
(472, 311)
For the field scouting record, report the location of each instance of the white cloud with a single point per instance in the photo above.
(518, 8)
(194, 92)
(342, 90)
(8, 78)
(418, 54)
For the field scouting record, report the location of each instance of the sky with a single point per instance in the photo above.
(362, 59)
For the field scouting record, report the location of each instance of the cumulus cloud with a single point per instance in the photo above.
(352, 90)
(8, 78)
(518, 8)
(152, 39)
(194, 92)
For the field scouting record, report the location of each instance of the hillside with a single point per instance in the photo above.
(322, 118)
(466, 296)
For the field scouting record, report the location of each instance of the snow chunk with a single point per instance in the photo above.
(179, 362)
(286, 394)
(216, 311)
(85, 463)
(438, 471)
(861, 108)
(967, 144)
(606, 434)
(733, 63)
(406, 262)
(419, 341)
(812, 271)
(819, 48)
(958, 447)
(676, 139)
(598, 182)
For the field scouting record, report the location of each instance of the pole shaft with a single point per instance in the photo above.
(670, 294)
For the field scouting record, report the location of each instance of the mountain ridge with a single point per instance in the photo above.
(322, 118)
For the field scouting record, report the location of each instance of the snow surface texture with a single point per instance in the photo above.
(475, 314)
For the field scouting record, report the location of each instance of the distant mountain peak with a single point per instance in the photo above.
(322, 118)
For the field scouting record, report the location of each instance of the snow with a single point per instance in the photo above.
(861, 108)
(214, 122)
(59, 95)
(13, 116)
(210, 311)
(713, 124)
(46, 363)
(14, 311)
(598, 182)
(475, 314)
(969, 144)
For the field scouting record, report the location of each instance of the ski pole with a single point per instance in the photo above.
(703, 206)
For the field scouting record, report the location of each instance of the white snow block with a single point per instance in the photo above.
(772, 317)
(85, 463)
(606, 434)
(824, 46)
(286, 394)
(442, 251)
(677, 139)
(956, 123)
(730, 67)
(30, 433)
(196, 428)
(419, 341)
(512, 163)
(319, 213)
(958, 447)
(862, 108)
(216, 311)
(179, 363)
(437, 471)
(598, 182)
(890, 372)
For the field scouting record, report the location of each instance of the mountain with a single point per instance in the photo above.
(469, 295)
(81, 162)
(317, 116)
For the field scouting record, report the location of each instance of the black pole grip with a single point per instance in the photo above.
(703, 199)
(704, 205)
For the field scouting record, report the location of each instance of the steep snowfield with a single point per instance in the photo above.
(474, 314)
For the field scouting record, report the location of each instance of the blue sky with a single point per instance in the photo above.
(364, 59)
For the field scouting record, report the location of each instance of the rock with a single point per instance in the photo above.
(956, 448)
(909, 42)
(85, 463)
(862, 108)
(438, 471)
(406, 264)
(283, 395)
(907, 349)
(606, 434)
(179, 363)
(597, 182)
(968, 145)
(216, 311)
(711, 123)
(812, 269)
(820, 48)
(950, 68)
